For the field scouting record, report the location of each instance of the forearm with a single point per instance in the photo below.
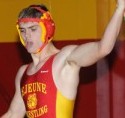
(9, 114)
(110, 35)
(14, 111)
(6, 115)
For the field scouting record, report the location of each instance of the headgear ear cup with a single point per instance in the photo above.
(48, 23)
(50, 29)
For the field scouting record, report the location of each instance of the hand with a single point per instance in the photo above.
(121, 4)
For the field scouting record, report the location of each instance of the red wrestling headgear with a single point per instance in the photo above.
(46, 22)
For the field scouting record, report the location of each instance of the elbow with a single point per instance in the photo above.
(104, 52)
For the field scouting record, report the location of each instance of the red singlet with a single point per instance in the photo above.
(41, 97)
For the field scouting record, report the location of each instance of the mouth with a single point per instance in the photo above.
(29, 44)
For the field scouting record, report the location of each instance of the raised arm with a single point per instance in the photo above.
(17, 108)
(87, 54)
(113, 28)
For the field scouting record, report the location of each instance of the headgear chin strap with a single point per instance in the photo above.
(46, 23)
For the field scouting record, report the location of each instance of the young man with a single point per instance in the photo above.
(47, 87)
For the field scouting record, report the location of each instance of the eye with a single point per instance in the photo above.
(33, 29)
(22, 30)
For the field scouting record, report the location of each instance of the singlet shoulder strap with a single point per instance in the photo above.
(49, 61)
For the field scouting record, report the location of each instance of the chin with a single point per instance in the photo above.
(30, 51)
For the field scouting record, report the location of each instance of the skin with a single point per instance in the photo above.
(67, 62)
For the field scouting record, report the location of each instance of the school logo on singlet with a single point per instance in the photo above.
(32, 101)
(34, 107)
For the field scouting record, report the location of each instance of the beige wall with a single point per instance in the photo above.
(105, 9)
(75, 19)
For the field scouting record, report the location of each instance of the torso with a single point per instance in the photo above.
(43, 94)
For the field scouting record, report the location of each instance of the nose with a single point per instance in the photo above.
(28, 34)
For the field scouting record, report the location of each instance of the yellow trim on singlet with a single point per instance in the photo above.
(64, 106)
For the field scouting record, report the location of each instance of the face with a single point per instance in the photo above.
(31, 33)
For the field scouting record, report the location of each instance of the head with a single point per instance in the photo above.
(37, 14)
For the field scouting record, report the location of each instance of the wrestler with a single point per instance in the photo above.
(47, 87)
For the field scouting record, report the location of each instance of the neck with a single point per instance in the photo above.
(44, 54)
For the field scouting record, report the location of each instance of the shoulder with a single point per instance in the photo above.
(69, 48)
(62, 55)
(66, 51)
(22, 68)
(20, 72)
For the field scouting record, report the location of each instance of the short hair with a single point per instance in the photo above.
(31, 12)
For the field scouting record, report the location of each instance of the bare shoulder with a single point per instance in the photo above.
(68, 49)
(62, 55)
(20, 72)
(65, 52)
(22, 68)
